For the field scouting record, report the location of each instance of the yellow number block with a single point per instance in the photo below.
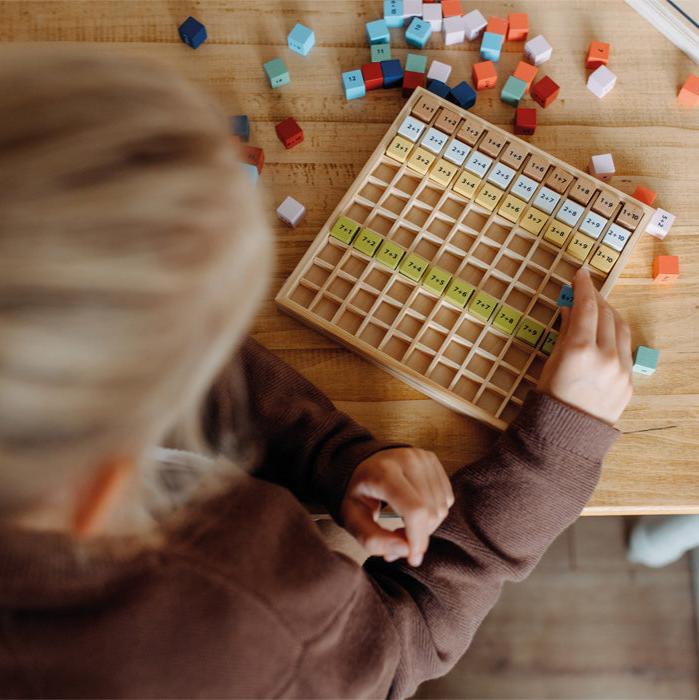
(512, 208)
(551, 338)
(580, 245)
(443, 172)
(529, 331)
(604, 258)
(459, 292)
(466, 184)
(557, 233)
(507, 319)
(534, 221)
(390, 254)
(399, 149)
(367, 241)
(413, 266)
(489, 197)
(421, 160)
(436, 279)
(483, 305)
(344, 229)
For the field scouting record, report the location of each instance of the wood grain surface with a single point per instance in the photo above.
(654, 467)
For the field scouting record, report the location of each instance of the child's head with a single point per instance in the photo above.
(133, 253)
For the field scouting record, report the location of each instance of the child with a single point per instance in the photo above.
(133, 256)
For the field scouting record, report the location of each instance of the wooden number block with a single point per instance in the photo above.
(192, 32)
(570, 212)
(463, 95)
(393, 13)
(411, 128)
(643, 194)
(447, 121)
(372, 75)
(443, 172)
(377, 32)
(489, 196)
(413, 266)
(605, 204)
(252, 155)
(484, 75)
(436, 279)
(434, 140)
(660, 224)
(536, 167)
(645, 360)
(466, 184)
(344, 229)
(420, 161)
(506, 319)
(512, 208)
(492, 144)
(526, 72)
(432, 13)
(439, 71)
(630, 216)
(437, 87)
(666, 268)
(549, 343)
(580, 246)
(459, 292)
(593, 224)
(597, 54)
(565, 296)
(277, 73)
(557, 233)
(616, 237)
(456, 152)
(537, 50)
(474, 24)
(301, 39)
(601, 81)
(478, 164)
(483, 305)
(501, 175)
(534, 221)
(412, 80)
(546, 199)
(491, 46)
(602, 166)
(392, 73)
(518, 26)
(291, 211)
(454, 29)
(240, 126)
(289, 132)
(558, 180)
(380, 52)
(367, 242)
(529, 331)
(513, 155)
(399, 149)
(582, 191)
(513, 91)
(416, 63)
(524, 187)
(452, 8)
(688, 95)
(469, 131)
(525, 121)
(497, 25)
(390, 254)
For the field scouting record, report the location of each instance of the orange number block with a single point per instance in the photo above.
(689, 92)
(526, 72)
(666, 268)
(643, 194)
(484, 75)
(518, 26)
(497, 25)
(597, 54)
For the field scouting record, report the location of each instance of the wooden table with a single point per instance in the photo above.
(654, 467)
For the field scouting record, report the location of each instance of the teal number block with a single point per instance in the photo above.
(565, 296)
(377, 32)
(380, 52)
(301, 39)
(645, 360)
(491, 45)
(393, 13)
(415, 63)
(513, 91)
(277, 72)
(353, 83)
(418, 33)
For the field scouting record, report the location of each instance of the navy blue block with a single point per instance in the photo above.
(240, 126)
(392, 73)
(463, 95)
(438, 88)
(192, 32)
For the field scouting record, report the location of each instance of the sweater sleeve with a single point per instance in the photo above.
(509, 508)
(308, 445)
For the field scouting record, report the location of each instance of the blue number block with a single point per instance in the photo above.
(251, 171)
(513, 91)
(491, 45)
(377, 32)
(393, 13)
(301, 39)
(463, 95)
(418, 33)
(277, 72)
(415, 63)
(353, 83)
(380, 52)
(645, 360)
(192, 32)
(392, 73)
(439, 88)
(565, 296)
(240, 126)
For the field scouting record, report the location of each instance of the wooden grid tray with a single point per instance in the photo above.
(493, 222)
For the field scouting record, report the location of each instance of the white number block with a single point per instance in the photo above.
(593, 224)
(524, 187)
(456, 152)
(601, 81)
(291, 212)
(546, 200)
(432, 13)
(439, 71)
(474, 24)
(412, 8)
(538, 50)
(478, 164)
(602, 166)
(412, 129)
(616, 237)
(570, 212)
(660, 224)
(434, 140)
(501, 175)
(454, 30)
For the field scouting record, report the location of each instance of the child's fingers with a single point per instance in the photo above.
(623, 341)
(446, 487)
(606, 327)
(359, 521)
(565, 322)
(584, 316)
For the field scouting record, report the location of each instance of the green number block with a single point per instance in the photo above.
(277, 73)
(529, 331)
(390, 254)
(513, 91)
(645, 360)
(551, 338)
(436, 279)
(413, 266)
(507, 319)
(367, 241)
(483, 305)
(380, 52)
(344, 229)
(416, 63)
(459, 292)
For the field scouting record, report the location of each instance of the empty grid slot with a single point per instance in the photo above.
(485, 253)
(439, 228)
(449, 261)
(467, 388)
(409, 325)
(566, 270)
(509, 413)
(387, 312)
(363, 300)
(303, 295)
(407, 183)
(349, 321)
(492, 343)
(472, 273)
(542, 312)
(475, 221)
(442, 374)
(394, 204)
(340, 287)
(456, 352)
(400, 291)
(479, 365)
(531, 277)
(354, 266)
(417, 216)
(446, 317)
(543, 256)
(396, 347)
(497, 233)
(427, 249)
(517, 299)
(462, 240)
(521, 244)
(325, 308)
(372, 192)
(490, 401)
(452, 208)
(419, 360)
(423, 304)
(429, 195)
(377, 279)
(516, 357)
(373, 334)
(358, 212)
(508, 266)
(384, 172)
(432, 339)
(469, 330)
(597, 281)
(504, 379)
(317, 275)
(536, 367)
(331, 254)
(403, 236)
(552, 289)
(523, 388)
(381, 223)
(494, 286)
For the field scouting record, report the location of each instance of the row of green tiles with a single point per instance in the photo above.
(455, 290)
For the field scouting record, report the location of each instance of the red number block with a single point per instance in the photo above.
(545, 91)
(643, 194)
(373, 75)
(518, 26)
(525, 121)
(254, 156)
(484, 75)
(289, 132)
(597, 54)
(666, 268)
(411, 80)
(688, 95)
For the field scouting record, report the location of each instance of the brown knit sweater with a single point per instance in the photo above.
(247, 601)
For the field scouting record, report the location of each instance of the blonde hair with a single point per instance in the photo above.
(133, 253)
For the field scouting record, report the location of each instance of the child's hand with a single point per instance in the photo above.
(590, 366)
(414, 484)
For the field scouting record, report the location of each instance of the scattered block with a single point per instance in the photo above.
(277, 73)
(602, 166)
(601, 81)
(301, 39)
(491, 45)
(240, 127)
(289, 132)
(538, 50)
(192, 32)
(666, 268)
(496, 25)
(452, 8)
(418, 33)
(439, 88)
(525, 121)
(643, 194)
(513, 91)
(412, 80)
(645, 360)
(290, 211)
(474, 24)
(597, 54)
(432, 13)
(393, 13)
(517, 26)
(353, 84)
(392, 73)
(439, 71)
(527, 72)
(377, 32)
(380, 52)
(251, 171)
(454, 30)
(372, 75)
(545, 91)
(688, 95)
(565, 296)
(484, 75)
(463, 95)
(660, 223)
(252, 155)
(416, 63)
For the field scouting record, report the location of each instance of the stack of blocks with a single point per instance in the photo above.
(439, 71)
(414, 74)
(526, 72)
(493, 39)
